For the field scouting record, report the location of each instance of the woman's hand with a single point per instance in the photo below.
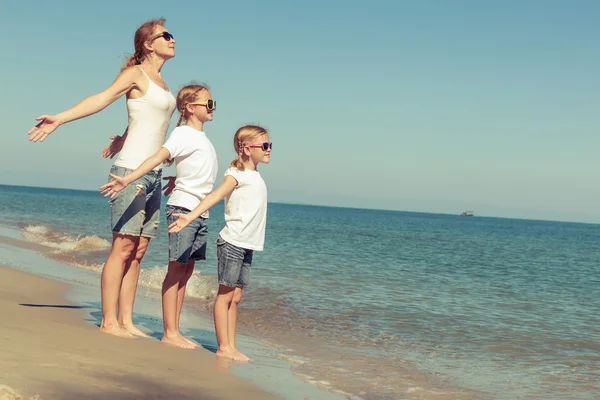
(40, 132)
(114, 147)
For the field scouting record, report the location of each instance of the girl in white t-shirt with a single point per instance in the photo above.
(196, 164)
(245, 196)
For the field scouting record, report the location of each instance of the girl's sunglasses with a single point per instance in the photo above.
(210, 104)
(165, 35)
(265, 146)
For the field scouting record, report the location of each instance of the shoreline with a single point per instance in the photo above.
(46, 350)
(277, 366)
(271, 376)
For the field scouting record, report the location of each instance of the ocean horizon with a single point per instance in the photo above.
(458, 212)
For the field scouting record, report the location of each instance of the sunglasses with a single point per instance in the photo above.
(265, 146)
(165, 35)
(210, 104)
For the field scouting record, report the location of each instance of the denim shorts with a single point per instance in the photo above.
(189, 243)
(135, 210)
(234, 264)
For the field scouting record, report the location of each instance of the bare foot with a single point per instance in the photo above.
(177, 341)
(231, 353)
(116, 330)
(132, 329)
(242, 356)
(190, 341)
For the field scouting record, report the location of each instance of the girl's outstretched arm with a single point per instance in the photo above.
(126, 80)
(120, 183)
(207, 203)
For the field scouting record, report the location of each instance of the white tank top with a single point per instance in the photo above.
(149, 118)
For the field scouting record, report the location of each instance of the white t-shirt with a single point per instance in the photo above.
(196, 164)
(246, 210)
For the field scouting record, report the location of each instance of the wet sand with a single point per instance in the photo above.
(47, 349)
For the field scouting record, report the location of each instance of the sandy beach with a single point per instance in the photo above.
(47, 349)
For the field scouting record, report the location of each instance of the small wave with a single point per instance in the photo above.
(68, 249)
(92, 243)
(199, 286)
(63, 242)
(37, 229)
(77, 262)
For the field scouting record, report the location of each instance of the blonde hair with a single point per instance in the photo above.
(186, 95)
(242, 137)
(142, 35)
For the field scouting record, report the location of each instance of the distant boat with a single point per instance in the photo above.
(467, 213)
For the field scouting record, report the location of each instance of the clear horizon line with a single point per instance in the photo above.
(352, 208)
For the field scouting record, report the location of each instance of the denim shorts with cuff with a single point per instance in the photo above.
(234, 264)
(189, 243)
(135, 210)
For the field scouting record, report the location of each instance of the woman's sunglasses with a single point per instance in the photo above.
(265, 146)
(165, 35)
(210, 104)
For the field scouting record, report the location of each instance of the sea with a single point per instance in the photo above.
(372, 304)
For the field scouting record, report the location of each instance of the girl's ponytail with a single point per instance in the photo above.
(180, 118)
(238, 162)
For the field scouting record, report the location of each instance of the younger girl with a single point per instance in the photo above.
(196, 165)
(245, 196)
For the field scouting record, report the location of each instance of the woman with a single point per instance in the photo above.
(135, 212)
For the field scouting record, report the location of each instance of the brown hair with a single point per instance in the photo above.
(186, 95)
(242, 137)
(142, 35)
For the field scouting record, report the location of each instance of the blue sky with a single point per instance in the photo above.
(433, 106)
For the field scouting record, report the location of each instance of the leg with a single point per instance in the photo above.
(181, 296)
(221, 315)
(243, 281)
(112, 278)
(232, 316)
(183, 248)
(232, 319)
(129, 288)
(130, 216)
(189, 269)
(230, 259)
(170, 289)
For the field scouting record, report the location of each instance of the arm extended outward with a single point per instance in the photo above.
(207, 203)
(120, 183)
(126, 81)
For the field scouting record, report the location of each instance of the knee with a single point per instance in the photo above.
(237, 297)
(225, 295)
(123, 251)
(140, 251)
